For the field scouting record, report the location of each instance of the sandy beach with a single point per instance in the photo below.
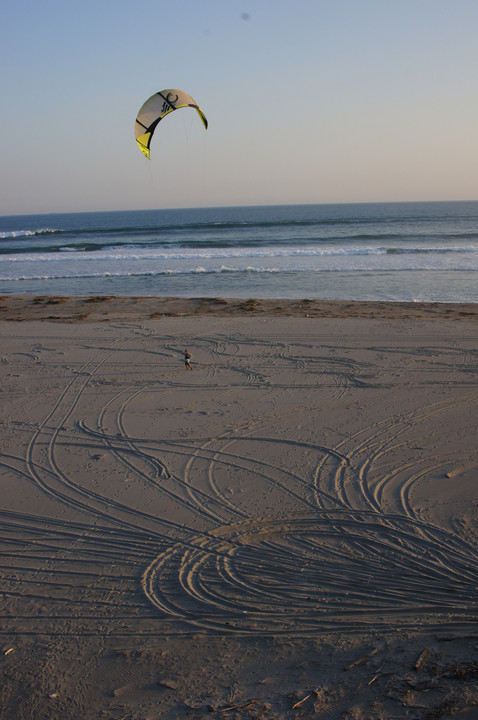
(288, 531)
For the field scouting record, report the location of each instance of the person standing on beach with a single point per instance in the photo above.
(187, 358)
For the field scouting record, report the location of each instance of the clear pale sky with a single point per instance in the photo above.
(308, 101)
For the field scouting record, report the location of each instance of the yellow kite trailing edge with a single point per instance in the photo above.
(155, 108)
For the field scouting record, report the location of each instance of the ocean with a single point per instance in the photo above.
(424, 252)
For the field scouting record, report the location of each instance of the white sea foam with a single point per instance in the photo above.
(131, 254)
(12, 234)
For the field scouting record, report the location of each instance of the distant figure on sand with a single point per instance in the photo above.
(187, 358)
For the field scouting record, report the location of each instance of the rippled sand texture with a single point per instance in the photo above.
(311, 481)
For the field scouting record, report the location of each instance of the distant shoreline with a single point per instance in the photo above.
(102, 308)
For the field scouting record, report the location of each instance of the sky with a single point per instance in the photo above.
(308, 101)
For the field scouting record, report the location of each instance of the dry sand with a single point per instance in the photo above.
(288, 531)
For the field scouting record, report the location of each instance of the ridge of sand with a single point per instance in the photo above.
(104, 308)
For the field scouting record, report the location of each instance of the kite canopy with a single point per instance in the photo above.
(152, 112)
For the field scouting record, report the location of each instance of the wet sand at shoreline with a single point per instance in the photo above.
(105, 308)
(288, 531)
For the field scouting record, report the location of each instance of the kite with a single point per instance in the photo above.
(158, 106)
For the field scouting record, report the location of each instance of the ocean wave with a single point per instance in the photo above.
(17, 234)
(133, 253)
(431, 250)
(224, 234)
(180, 227)
(16, 244)
(220, 271)
(144, 273)
(136, 254)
